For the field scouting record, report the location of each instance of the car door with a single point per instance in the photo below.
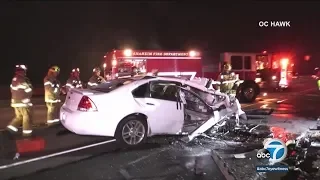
(165, 114)
(196, 110)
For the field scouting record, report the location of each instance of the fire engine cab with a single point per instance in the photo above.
(267, 70)
(128, 62)
(257, 70)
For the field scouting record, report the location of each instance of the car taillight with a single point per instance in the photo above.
(86, 104)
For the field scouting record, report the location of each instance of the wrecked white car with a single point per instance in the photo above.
(136, 108)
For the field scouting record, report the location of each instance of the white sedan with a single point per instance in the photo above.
(130, 110)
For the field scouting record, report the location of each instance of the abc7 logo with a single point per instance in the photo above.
(263, 154)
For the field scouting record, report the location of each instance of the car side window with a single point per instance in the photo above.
(194, 103)
(164, 90)
(141, 91)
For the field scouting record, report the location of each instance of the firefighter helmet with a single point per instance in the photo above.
(227, 67)
(96, 69)
(76, 70)
(54, 69)
(21, 67)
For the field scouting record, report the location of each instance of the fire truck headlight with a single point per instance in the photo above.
(274, 77)
(192, 53)
(114, 62)
(127, 52)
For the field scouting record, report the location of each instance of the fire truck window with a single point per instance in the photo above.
(262, 62)
(164, 90)
(236, 62)
(247, 62)
(140, 91)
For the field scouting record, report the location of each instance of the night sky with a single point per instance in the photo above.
(77, 34)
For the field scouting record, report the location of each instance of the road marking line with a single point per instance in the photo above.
(54, 154)
(146, 156)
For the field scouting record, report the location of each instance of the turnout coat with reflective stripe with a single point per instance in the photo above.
(51, 89)
(21, 91)
(73, 82)
(94, 81)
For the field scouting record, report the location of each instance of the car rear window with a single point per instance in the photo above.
(112, 85)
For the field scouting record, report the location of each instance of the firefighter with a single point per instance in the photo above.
(227, 79)
(52, 92)
(74, 80)
(318, 79)
(21, 93)
(96, 79)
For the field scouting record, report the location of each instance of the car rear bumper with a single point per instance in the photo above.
(84, 123)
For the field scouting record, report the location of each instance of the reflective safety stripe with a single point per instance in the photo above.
(92, 84)
(229, 81)
(28, 90)
(53, 101)
(69, 85)
(27, 131)
(21, 104)
(78, 86)
(18, 87)
(12, 128)
(25, 100)
(48, 83)
(53, 121)
(55, 90)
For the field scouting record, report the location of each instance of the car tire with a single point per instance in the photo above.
(248, 92)
(122, 130)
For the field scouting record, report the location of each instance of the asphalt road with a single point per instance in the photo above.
(159, 159)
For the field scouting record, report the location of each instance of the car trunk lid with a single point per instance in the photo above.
(74, 96)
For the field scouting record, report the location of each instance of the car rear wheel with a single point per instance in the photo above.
(131, 131)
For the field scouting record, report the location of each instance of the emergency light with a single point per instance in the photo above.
(284, 62)
(127, 52)
(193, 53)
(114, 62)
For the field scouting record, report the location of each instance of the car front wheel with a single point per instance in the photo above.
(131, 131)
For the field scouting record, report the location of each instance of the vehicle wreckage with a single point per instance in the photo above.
(157, 105)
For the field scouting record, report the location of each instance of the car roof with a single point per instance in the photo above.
(140, 80)
(172, 79)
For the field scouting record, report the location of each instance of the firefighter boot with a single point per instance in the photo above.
(16, 121)
(26, 122)
(53, 113)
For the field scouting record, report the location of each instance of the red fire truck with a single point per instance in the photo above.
(123, 63)
(257, 70)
